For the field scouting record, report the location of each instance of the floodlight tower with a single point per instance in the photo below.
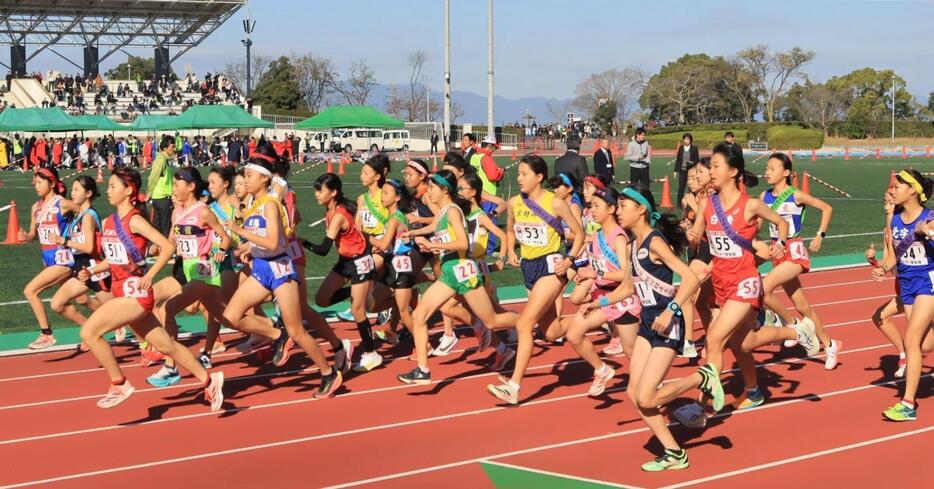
(248, 26)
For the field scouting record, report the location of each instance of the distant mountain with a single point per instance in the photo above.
(474, 106)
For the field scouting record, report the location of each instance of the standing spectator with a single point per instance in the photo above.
(296, 147)
(57, 152)
(147, 151)
(159, 186)
(234, 150)
(728, 139)
(571, 162)
(603, 162)
(468, 146)
(186, 151)
(637, 152)
(434, 142)
(687, 156)
(84, 150)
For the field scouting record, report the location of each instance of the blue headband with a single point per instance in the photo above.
(395, 184)
(631, 193)
(439, 180)
(566, 179)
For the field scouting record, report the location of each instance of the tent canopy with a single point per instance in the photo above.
(214, 117)
(350, 116)
(35, 119)
(102, 122)
(149, 122)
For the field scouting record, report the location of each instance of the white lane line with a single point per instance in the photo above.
(784, 461)
(558, 474)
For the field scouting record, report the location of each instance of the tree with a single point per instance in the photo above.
(142, 68)
(621, 87)
(236, 72)
(817, 105)
(557, 110)
(358, 85)
(605, 115)
(931, 101)
(278, 89)
(695, 88)
(739, 82)
(411, 104)
(316, 78)
(772, 73)
(869, 99)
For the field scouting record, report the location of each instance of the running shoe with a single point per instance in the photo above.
(120, 334)
(711, 386)
(901, 412)
(902, 365)
(614, 348)
(116, 394)
(670, 460)
(792, 343)
(345, 315)
(386, 336)
(807, 337)
(83, 347)
(43, 341)
(833, 352)
(484, 335)
(165, 377)
(600, 378)
(329, 384)
(504, 392)
(445, 346)
(416, 376)
(219, 346)
(342, 357)
(253, 343)
(214, 391)
(689, 350)
(150, 356)
(205, 360)
(772, 319)
(502, 359)
(368, 361)
(691, 416)
(384, 317)
(280, 349)
(753, 399)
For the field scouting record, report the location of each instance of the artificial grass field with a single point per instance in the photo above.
(865, 179)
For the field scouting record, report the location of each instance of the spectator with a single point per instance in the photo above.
(159, 187)
(728, 139)
(468, 146)
(688, 154)
(571, 162)
(603, 161)
(434, 142)
(637, 152)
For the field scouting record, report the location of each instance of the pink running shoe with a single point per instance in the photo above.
(614, 348)
(214, 391)
(116, 395)
(42, 342)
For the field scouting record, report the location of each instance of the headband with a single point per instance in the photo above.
(258, 169)
(605, 196)
(54, 181)
(910, 180)
(566, 179)
(395, 184)
(439, 180)
(415, 166)
(260, 156)
(596, 182)
(632, 194)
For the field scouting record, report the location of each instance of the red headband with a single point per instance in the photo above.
(267, 159)
(596, 182)
(56, 184)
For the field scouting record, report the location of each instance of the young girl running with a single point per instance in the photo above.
(371, 215)
(535, 221)
(126, 234)
(882, 317)
(913, 259)
(47, 222)
(656, 243)
(699, 256)
(80, 240)
(355, 263)
(265, 228)
(460, 274)
(790, 204)
(612, 293)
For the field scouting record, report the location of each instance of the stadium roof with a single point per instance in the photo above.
(114, 24)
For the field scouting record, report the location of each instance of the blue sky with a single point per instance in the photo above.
(546, 47)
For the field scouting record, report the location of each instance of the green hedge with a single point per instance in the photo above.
(702, 139)
(754, 129)
(793, 137)
(903, 129)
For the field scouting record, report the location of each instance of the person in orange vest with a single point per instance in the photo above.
(57, 152)
(252, 147)
(40, 152)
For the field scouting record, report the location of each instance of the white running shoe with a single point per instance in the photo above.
(691, 416)
(807, 337)
(483, 334)
(214, 391)
(902, 365)
(689, 350)
(342, 357)
(792, 343)
(614, 348)
(368, 361)
(116, 394)
(120, 334)
(445, 346)
(504, 392)
(833, 351)
(599, 381)
(502, 359)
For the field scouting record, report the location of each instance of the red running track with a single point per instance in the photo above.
(818, 426)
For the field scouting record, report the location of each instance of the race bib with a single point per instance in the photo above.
(98, 276)
(46, 233)
(207, 268)
(364, 265)
(553, 260)
(131, 288)
(369, 220)
(599, 265)
(773, 229)
(115, 252)
(722, 246)
(281, 267)
(402, 263)
(64, 257)
(645, 292)
(531, 233)
(186, 246)
(750, 288)
(465, 271)
(915, 255)
(441, 237)
(798, 251)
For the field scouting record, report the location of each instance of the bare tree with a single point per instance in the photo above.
(316, 79)
(557, 110)
(357, 87)
(820, 106)
(236, 72)
(772, 72)
(415, 104)
(739, 82)
(622, 87)
(682, 89)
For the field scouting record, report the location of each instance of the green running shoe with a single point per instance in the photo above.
(901, 412)
(711, 386)
(670, 460)
(753, 399)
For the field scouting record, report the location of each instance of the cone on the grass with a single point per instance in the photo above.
(813, 154)
(100, 175)
(110, 163)
(805, 183)
(666, 194)
(878, 154)
(434, 164)
(794, 179)
(846, 153)
(80, 167)
(330, 165)
(340, 167)
(904, 153)
(12, 226)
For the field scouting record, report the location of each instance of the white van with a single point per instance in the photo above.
(396, 140)
(351, 140)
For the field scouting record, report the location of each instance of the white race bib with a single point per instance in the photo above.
(186, 246)
(402, 263)
(132, 289)
(465, 271)
(207, 268)
(99, 276)
(553, 260)
(915, 255)
(115, 252)
(531, 233)
(798, 251)
(364, 265)
(722, 246)
(773, 229)
(46, 233)
(281, 267)
(645, 292)
(369, 220)
(64, 257)
(750, 288)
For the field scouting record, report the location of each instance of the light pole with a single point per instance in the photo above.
(248, 26)
(893, 106)
(490, 128)
(446, 130)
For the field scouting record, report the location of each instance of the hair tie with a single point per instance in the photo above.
(596, 182)
(654, 217)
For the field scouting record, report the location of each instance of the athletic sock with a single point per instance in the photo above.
(901, 356)
(513, 384)
(341, 295)
(366, 335)
(47, 331)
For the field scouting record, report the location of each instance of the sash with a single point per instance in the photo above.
(382, 218)
(782, 198)
(659, 286)
(136, 256)
(542, 214)
(727, 227)
(607, 250)
(401, 247)
(77, 221)
(902, 246)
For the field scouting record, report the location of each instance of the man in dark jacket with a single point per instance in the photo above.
(728, 139)
(603, 161)
(233, 150)
(571, 162)
(688, 154)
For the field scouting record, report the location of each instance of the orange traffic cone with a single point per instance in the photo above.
(434, 165)
(25, 164)
(794, 179)
(100, 175)
(12, 226)
(80, 166)
(340, 168)
(904, 153)
(927, 152)
(878, 154)
(110, 163)
(813, 154)
(514, 155)
(846, 153)
(892, 179)
(806, 184)
(666, 194)
(330, 165)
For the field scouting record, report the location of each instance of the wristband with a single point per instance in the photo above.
(822, 234)
(604, 302)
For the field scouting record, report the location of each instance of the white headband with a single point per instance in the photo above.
(258, 169)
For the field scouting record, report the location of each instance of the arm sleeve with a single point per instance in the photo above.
(321, 249)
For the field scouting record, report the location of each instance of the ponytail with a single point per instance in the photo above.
(666, 224)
